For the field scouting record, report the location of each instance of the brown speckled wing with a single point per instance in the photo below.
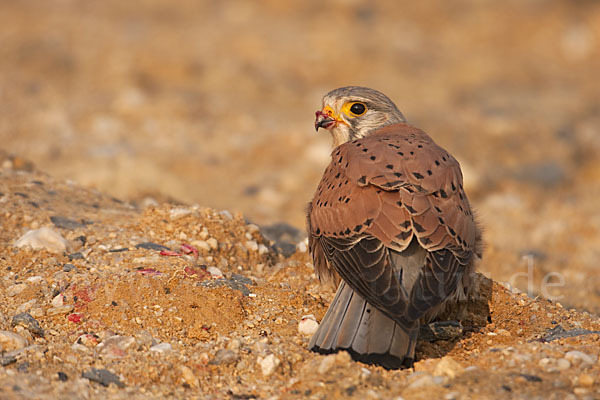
(377, 194)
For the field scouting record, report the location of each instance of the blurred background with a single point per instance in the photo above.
(212, 102)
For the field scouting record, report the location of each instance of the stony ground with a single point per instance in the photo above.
(187, 301)
(158, 107)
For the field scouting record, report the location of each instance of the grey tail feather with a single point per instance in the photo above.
(369, 336)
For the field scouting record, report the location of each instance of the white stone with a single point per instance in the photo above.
(59, 310)
(187, 375)
(201, 245)
(252, 245)
(43, 239)
(15, 289)
(162, 348)
(302, 247)
(308, 325)
(269, 364)
(577, 357)
(262, 249)
(212, 242)
(34, 279)
(215, 272)
(177, 213)
(563, 364)
(58, 300)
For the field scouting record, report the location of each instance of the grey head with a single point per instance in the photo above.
(353, 112)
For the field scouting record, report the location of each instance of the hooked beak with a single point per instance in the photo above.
(326, 119)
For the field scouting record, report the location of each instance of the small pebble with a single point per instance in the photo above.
(201, 245)
(28, 322)
(308, 325)
(11, 341)
(215, 272)
(15, 289)
(162, 348)
(252, 245)
(187, 375)
(563, 364)
(269, 364)
(43, 239)
(116, 346)
(59, 310)
(577, 357)
(103, 377)
(68, 267)
(62, 376)
(212, 242)
(225, 356)
(58, 300)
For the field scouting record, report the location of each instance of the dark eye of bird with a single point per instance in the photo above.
(358, 109)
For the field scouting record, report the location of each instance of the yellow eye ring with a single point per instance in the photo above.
(354, 108)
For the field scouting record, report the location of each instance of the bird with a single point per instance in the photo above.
(391, 225)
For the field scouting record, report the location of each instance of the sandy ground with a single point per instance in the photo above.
(225, 323)
(143, 115)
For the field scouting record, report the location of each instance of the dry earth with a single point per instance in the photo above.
(167, 324)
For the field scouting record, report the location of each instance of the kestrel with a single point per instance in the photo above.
(391, 219)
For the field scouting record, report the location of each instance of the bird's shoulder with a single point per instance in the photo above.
(397, 156)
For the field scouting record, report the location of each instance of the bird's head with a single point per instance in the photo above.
(353, 112)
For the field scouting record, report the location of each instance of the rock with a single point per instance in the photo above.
(251, 245)
(563, 364)
(115, 346)
(302, 247)
(225, 356)
(15, 289)
(585, 380)
(308, 325)
(58, 300)
(234, 344)
(215, 272)
(577, 357)
(162, 348)
(201, 245)
(24, 307)
(449, 367)
(268, 364)
(503, 332)
(152, 246)
(187, 375)
(66, 223)
(69, 267)
(28, 322)
(59, 310)
(144, 338)
(440, 330)
(11, 341)
(103, 377)
(43, 239)
(62, 376)
(212, 242)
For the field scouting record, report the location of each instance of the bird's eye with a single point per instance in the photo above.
(358, 109)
